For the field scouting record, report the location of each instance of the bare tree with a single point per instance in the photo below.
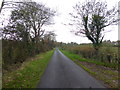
(50, 35)
(49, 39)
(26, 23)
(2, 4)
(33, 17)
(91, 18)
(36, 16)
(8, 4)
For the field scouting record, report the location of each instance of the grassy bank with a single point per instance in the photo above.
(28, 75)
(78, 57)
(106, 73)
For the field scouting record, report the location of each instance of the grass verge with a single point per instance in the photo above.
(28, 75)
(99, 70)
(78, 57)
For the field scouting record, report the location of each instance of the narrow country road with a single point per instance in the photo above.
(64, 73)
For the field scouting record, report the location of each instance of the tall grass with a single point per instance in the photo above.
(91, 59)
(108, 54)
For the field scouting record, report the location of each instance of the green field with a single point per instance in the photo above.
(29, 73)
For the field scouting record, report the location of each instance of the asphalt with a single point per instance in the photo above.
(62, 72)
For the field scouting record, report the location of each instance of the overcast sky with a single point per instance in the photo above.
(64, 7)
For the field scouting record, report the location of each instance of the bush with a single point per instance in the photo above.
(15, 52)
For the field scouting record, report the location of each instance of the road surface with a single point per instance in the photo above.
(64, 73)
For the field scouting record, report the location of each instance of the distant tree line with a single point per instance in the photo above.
(24, 35)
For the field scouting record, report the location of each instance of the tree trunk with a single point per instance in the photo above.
(96, 47)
